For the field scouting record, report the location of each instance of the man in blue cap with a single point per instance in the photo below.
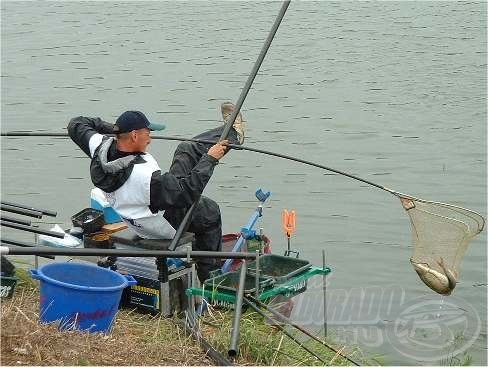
(153, 203)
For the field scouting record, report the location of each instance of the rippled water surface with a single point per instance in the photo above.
(393, 92)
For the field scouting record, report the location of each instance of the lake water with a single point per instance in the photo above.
(393, 92)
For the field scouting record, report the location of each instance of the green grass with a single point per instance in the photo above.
(25, 280)
(264, 344)
(259, 342)
(457, 359)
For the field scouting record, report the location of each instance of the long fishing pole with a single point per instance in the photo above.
(255, 69)
(266, 152)
(228, 125)
(211, 142)
(249, 149)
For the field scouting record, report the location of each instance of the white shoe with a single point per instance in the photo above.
(227, 108)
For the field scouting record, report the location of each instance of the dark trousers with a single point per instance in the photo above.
(206, 222)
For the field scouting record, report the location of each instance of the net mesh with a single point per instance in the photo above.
(441, 234)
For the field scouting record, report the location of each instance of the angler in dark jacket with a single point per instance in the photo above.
(153, 203)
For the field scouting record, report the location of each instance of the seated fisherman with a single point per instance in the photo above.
(153, 203)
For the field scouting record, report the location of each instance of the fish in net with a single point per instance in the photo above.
(441, 234)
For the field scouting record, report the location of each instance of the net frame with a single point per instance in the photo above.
(441, 234)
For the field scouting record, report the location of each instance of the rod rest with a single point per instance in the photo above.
(129, 238)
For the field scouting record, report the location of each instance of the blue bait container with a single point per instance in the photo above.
(80, 296)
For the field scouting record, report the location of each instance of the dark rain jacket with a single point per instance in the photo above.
(133, 183)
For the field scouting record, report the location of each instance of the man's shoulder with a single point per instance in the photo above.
(95, 142)
(148, 161)
(149, 158)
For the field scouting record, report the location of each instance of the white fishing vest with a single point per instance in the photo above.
(131, 201)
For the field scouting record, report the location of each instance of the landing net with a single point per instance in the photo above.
(441, 234)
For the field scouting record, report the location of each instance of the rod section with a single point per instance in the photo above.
(18, 134)
(228, 125)
(255, 69)
(234, 338)
(47, 212)
(15, 220)
(20, 211)
(183, 225)
(31, 229)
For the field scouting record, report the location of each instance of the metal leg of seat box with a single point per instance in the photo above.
(189, 277)
(164, 300)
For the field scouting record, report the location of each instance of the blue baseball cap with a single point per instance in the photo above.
(134, 120)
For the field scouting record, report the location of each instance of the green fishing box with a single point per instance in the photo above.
(278, 268)
(229, 282)
(289, 288)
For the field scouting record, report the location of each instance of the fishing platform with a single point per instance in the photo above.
(166, 285)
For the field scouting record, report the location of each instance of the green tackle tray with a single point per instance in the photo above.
(280, 268)
(293, 286)
(230, 282)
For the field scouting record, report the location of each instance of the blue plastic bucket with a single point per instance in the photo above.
(81, 296)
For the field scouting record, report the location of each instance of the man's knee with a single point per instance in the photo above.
(204, 269)
(210, 212)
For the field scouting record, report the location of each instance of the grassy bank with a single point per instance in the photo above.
(136, 339)
(139, 339)
(264, 344)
